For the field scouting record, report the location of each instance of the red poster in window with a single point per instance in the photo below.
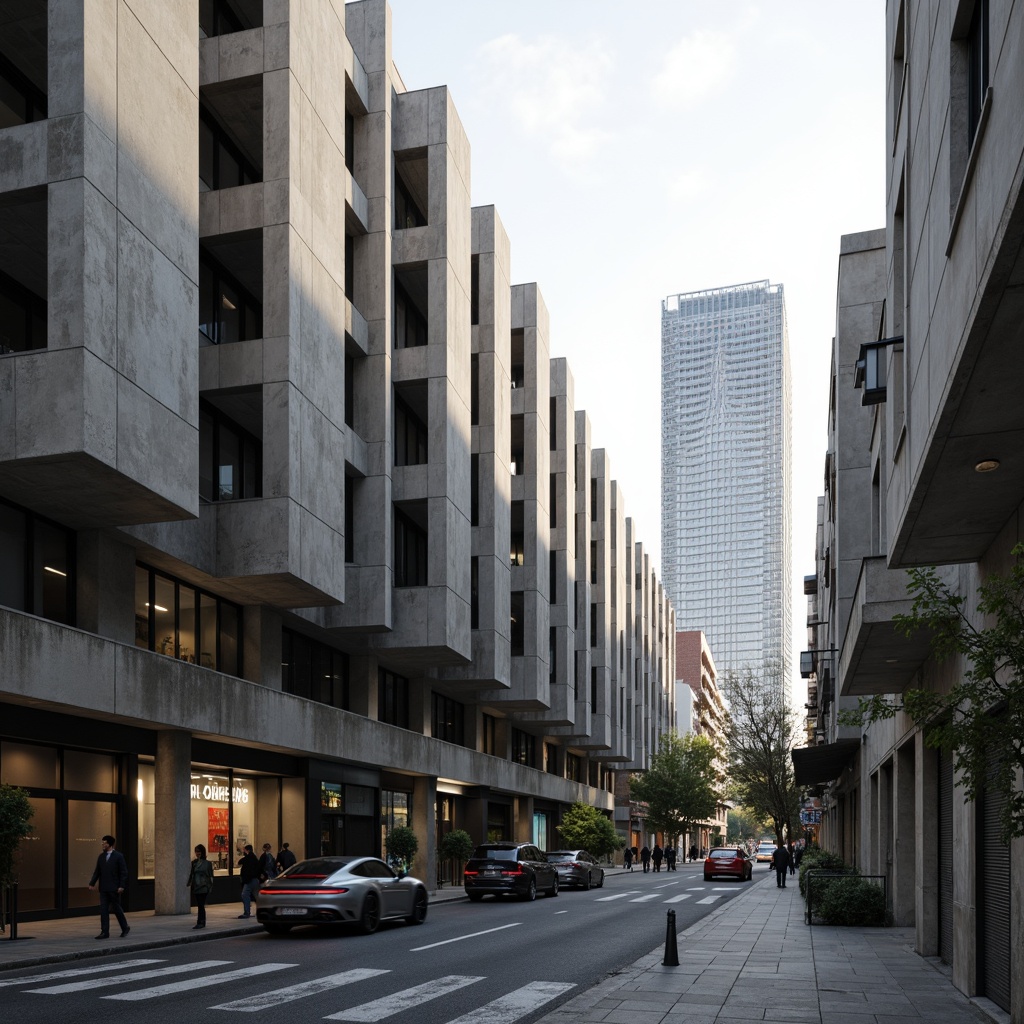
(217, 821)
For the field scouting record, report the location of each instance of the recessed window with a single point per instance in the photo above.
(410, 315)
(313, 670)
(392, 699)
(474, 291)
(411, 189)
(222, 163)
(229, 310)
(37, 565)
(219, 17)
(230, 457)
(447, 719)
(22, 317)
(410, 426)
(524, 748)
(488, 734)
(518, 624)
(411, 546)
(23, 63)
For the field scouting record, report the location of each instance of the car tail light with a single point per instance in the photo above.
(517, 870)
(323, 891)
(471, 872)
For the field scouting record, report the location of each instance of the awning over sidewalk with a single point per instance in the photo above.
(823, 763)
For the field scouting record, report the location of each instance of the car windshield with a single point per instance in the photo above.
(561, 855)
(766, 849)
(727, 854)
(317, 867)
(488, 853)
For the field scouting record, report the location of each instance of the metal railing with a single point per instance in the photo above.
(821, 875)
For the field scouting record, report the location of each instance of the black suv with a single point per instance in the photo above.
(509, 869)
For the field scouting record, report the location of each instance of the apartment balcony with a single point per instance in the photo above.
(876, 656)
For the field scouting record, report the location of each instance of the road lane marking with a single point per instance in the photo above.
(696, 888)
(187, 986)
(250, 1004)
(516, 1004)
(398, 1002)
(719, 888)
(617, 896)
(120, 979)
(678, 899)
(77, 972)
(557, 912)
(665, 885)
(709, 899)
(644, 899)
(433, 945)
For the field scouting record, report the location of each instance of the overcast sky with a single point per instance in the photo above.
(638, 150)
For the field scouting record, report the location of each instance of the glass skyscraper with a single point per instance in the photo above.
(726, 474)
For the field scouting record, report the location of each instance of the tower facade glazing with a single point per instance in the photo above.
(726, 473)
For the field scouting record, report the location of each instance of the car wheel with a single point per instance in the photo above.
(475, 897)
(369, 919)
(553, 891)
(277, 929)
(531, 892)
(600, 881)
(586, 884)
(419, 907)
(707, 877)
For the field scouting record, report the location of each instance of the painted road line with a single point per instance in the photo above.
(617, 896)
(644, 899)
(730, 888)
(77, 972)
(386, 1006)
(187, 986)
(665, 885)
(678, 899)
(434, 945)
(516, 1004)
(709, 899)
(250, 1004)
(121, 979)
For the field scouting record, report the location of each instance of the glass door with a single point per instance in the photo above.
(88, 822)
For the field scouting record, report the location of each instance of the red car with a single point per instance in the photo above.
(728, 860)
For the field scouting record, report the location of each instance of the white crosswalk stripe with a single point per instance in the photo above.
(617, 896)
(645, 899)
(266, 1000)
(194, 983)
(516, 1004)
(709, 899)
(120, 979)
(678, 899)
(386, 1006)
(77, 972)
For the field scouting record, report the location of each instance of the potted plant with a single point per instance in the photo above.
(402, 844)
(15, 813)
(456, 846)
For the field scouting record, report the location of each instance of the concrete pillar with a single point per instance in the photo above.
(904, 878)
(522, 826)
(173, 821)
(424, 799)
(926, 787)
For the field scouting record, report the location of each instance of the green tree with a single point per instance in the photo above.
(456, 846)
(762, 732)
(742, 824)
(681, 787)
(586, 828)
(16, 812)
(401, 844)
(980, 719)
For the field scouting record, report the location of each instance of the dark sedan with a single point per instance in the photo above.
(340, 890)
(509, 869)
(727, 860)
(577, 868)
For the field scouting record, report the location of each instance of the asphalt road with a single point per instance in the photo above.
(470, 963)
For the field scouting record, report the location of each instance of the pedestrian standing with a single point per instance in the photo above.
(111, 875)
(200, 881)
(645, 859)
(670, 858)
(249, 873)
(656, 855)
(693, 853)
(285, 858)
(627, 859)
(792, 859)
(268, 864)
(780, 861)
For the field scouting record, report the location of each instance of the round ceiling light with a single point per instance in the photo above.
(986, 465)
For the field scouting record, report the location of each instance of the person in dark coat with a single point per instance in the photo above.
(656, 855)
(627, 859)
(792, 859)
(268, 864)
(200, 881)
(645, 859)
(111, 875)
(249, 874)
(780, 861)
(670, 858)
(285, 858)
(693, 852)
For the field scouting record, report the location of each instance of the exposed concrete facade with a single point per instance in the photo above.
(406, 589)
(924, 467)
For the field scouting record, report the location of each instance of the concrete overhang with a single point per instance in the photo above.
(815, 766)
(954, 512)
(876, 656)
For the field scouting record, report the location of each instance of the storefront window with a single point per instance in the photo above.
(395, 807)
(146, 795)
(35, 863)
(22, 764)
(94, 773)
(88, 822)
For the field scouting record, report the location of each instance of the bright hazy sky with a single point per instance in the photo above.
(636, 150)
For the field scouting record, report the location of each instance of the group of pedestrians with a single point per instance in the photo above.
(650, 858)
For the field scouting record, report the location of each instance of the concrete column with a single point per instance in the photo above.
(522, 826)
(904, 879)
(424, 798)
(926, 909)
(173, 821)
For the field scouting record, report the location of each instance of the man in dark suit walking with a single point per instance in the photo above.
(112, 875)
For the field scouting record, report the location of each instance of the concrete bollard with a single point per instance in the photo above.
(671, 953)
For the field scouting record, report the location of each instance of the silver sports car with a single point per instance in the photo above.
(340, 890)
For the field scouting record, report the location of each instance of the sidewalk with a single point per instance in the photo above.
(755, 960)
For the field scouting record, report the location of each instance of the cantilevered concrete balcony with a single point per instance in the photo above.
(876, 656)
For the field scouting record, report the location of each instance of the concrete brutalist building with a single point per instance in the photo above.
(926, 467)
(341, 560)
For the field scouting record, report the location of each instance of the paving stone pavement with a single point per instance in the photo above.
(754, 959)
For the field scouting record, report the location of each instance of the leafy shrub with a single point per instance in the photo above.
(401, 844)
(822, 860)
(852, 901)
(456, 845)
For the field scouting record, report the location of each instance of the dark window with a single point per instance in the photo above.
(410, 552)
(350, 142)
(551, 758)
(524, 748)
(474, 390)
(518, 632)
(517, 536)
(553, 424)
(350, 392)
(553, 500)
(593, 562)
(474, 490)
(410, 435)
(553, 577)
(350, 519)
(593, 501)
(577, 668)
(179, 620)
(230, 458)
(593, 625)
(350, 267)
(219, 17)
(392, 699)
(517, 447)
(313, 670)
(21, 101)
(222, 164)
(407, 211)
(977, 66)
(22, 316)
(552, 653)
(37, 565)
(489, 734)
(410, 323)
(447, 719)
(474, 593)
(593, 690)
(517, 356)
(474, 290)
(573, 767)
(227, 311)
